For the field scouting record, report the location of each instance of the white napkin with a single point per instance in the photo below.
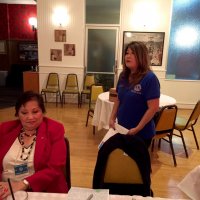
(190, 185)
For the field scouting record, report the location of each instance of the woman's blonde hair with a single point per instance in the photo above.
(140, 51)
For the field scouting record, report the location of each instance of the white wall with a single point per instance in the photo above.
(75, 35)
(156, 18)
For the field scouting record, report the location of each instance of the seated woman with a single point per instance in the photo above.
(32, 150)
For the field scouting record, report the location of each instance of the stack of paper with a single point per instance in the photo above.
(77, 193)
(111, 132)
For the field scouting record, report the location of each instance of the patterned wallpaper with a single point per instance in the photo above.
(14, 24)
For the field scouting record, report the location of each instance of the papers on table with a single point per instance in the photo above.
(111, 132)
(77, 193)
(191, 183)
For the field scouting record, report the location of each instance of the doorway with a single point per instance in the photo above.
(101, 54)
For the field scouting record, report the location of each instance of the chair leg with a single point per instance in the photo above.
(186, 153)
(81, 100)
(60, 98)
(56, 99)
(63, 100)
(195, 138)
(88, 114)
(159, 143)
(172, 149)
(78, 100)
(45, 98)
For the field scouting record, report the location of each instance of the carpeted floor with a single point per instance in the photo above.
(8, 96)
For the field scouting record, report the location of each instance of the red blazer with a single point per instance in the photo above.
(49, 157)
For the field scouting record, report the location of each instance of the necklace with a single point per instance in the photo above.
(25, 155)
(28, 135)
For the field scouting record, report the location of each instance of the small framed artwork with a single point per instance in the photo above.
(56, 55)
(69, 49)
(60, 35)
(3, 49)
(153, 40)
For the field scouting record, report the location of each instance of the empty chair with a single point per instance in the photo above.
(95, 90)
(123, 166)
(165, 123)
(71, 87)
(52, 86)
(183, 124)
(88, 81)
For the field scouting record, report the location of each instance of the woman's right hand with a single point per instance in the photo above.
(112, 124)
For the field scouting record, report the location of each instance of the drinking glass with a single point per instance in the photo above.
(19, 195)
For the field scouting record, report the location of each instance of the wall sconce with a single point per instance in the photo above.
(60, 16)
(33, 22)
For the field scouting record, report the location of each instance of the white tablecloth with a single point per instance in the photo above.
(56, 196)
(104, 107)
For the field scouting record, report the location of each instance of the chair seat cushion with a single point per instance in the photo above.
(50, 90)
(72, 91)
(180, 123)
(85, 92)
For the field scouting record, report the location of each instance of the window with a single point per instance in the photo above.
(184, 45)
(102, 11)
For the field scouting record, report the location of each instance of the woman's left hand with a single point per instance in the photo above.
(4, 190)
(16, 186)
(132, 131)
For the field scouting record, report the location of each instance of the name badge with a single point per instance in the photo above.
(21, 169)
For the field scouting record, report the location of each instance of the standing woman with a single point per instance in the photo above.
(138, 91)
(32, 150)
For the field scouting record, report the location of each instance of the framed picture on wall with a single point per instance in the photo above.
(3, 47)
(60, 35)
(153, 40)
(69, 49)
(56, 55)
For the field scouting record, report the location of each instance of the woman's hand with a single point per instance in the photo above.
(112, 124)
(133, 131)
(4, 190)
(16, 186)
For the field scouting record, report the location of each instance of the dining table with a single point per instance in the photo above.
(62, 196)
(103, 109)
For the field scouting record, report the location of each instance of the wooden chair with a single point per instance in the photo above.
(88, 81)
(95, 90)
(165, 122)
(71, 87)
(183, 124)
(52, 86)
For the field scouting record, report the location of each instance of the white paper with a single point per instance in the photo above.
(111, 132)
(190, 185)
(77, 193)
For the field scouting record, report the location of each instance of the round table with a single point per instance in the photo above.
(103, 109)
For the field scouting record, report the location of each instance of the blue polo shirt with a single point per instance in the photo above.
(133, 102)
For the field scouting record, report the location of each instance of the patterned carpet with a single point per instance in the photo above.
(8, 96)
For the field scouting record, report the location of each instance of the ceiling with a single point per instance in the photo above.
(18, 1)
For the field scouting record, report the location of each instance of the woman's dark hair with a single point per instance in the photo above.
(29, 96)
(140, 51)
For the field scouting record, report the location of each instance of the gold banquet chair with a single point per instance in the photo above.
(165, 123)
(52, 86)
(183, 124)
(123, 166)
(114, 174)
(95, 91)
(88, 81)
(71, 87)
